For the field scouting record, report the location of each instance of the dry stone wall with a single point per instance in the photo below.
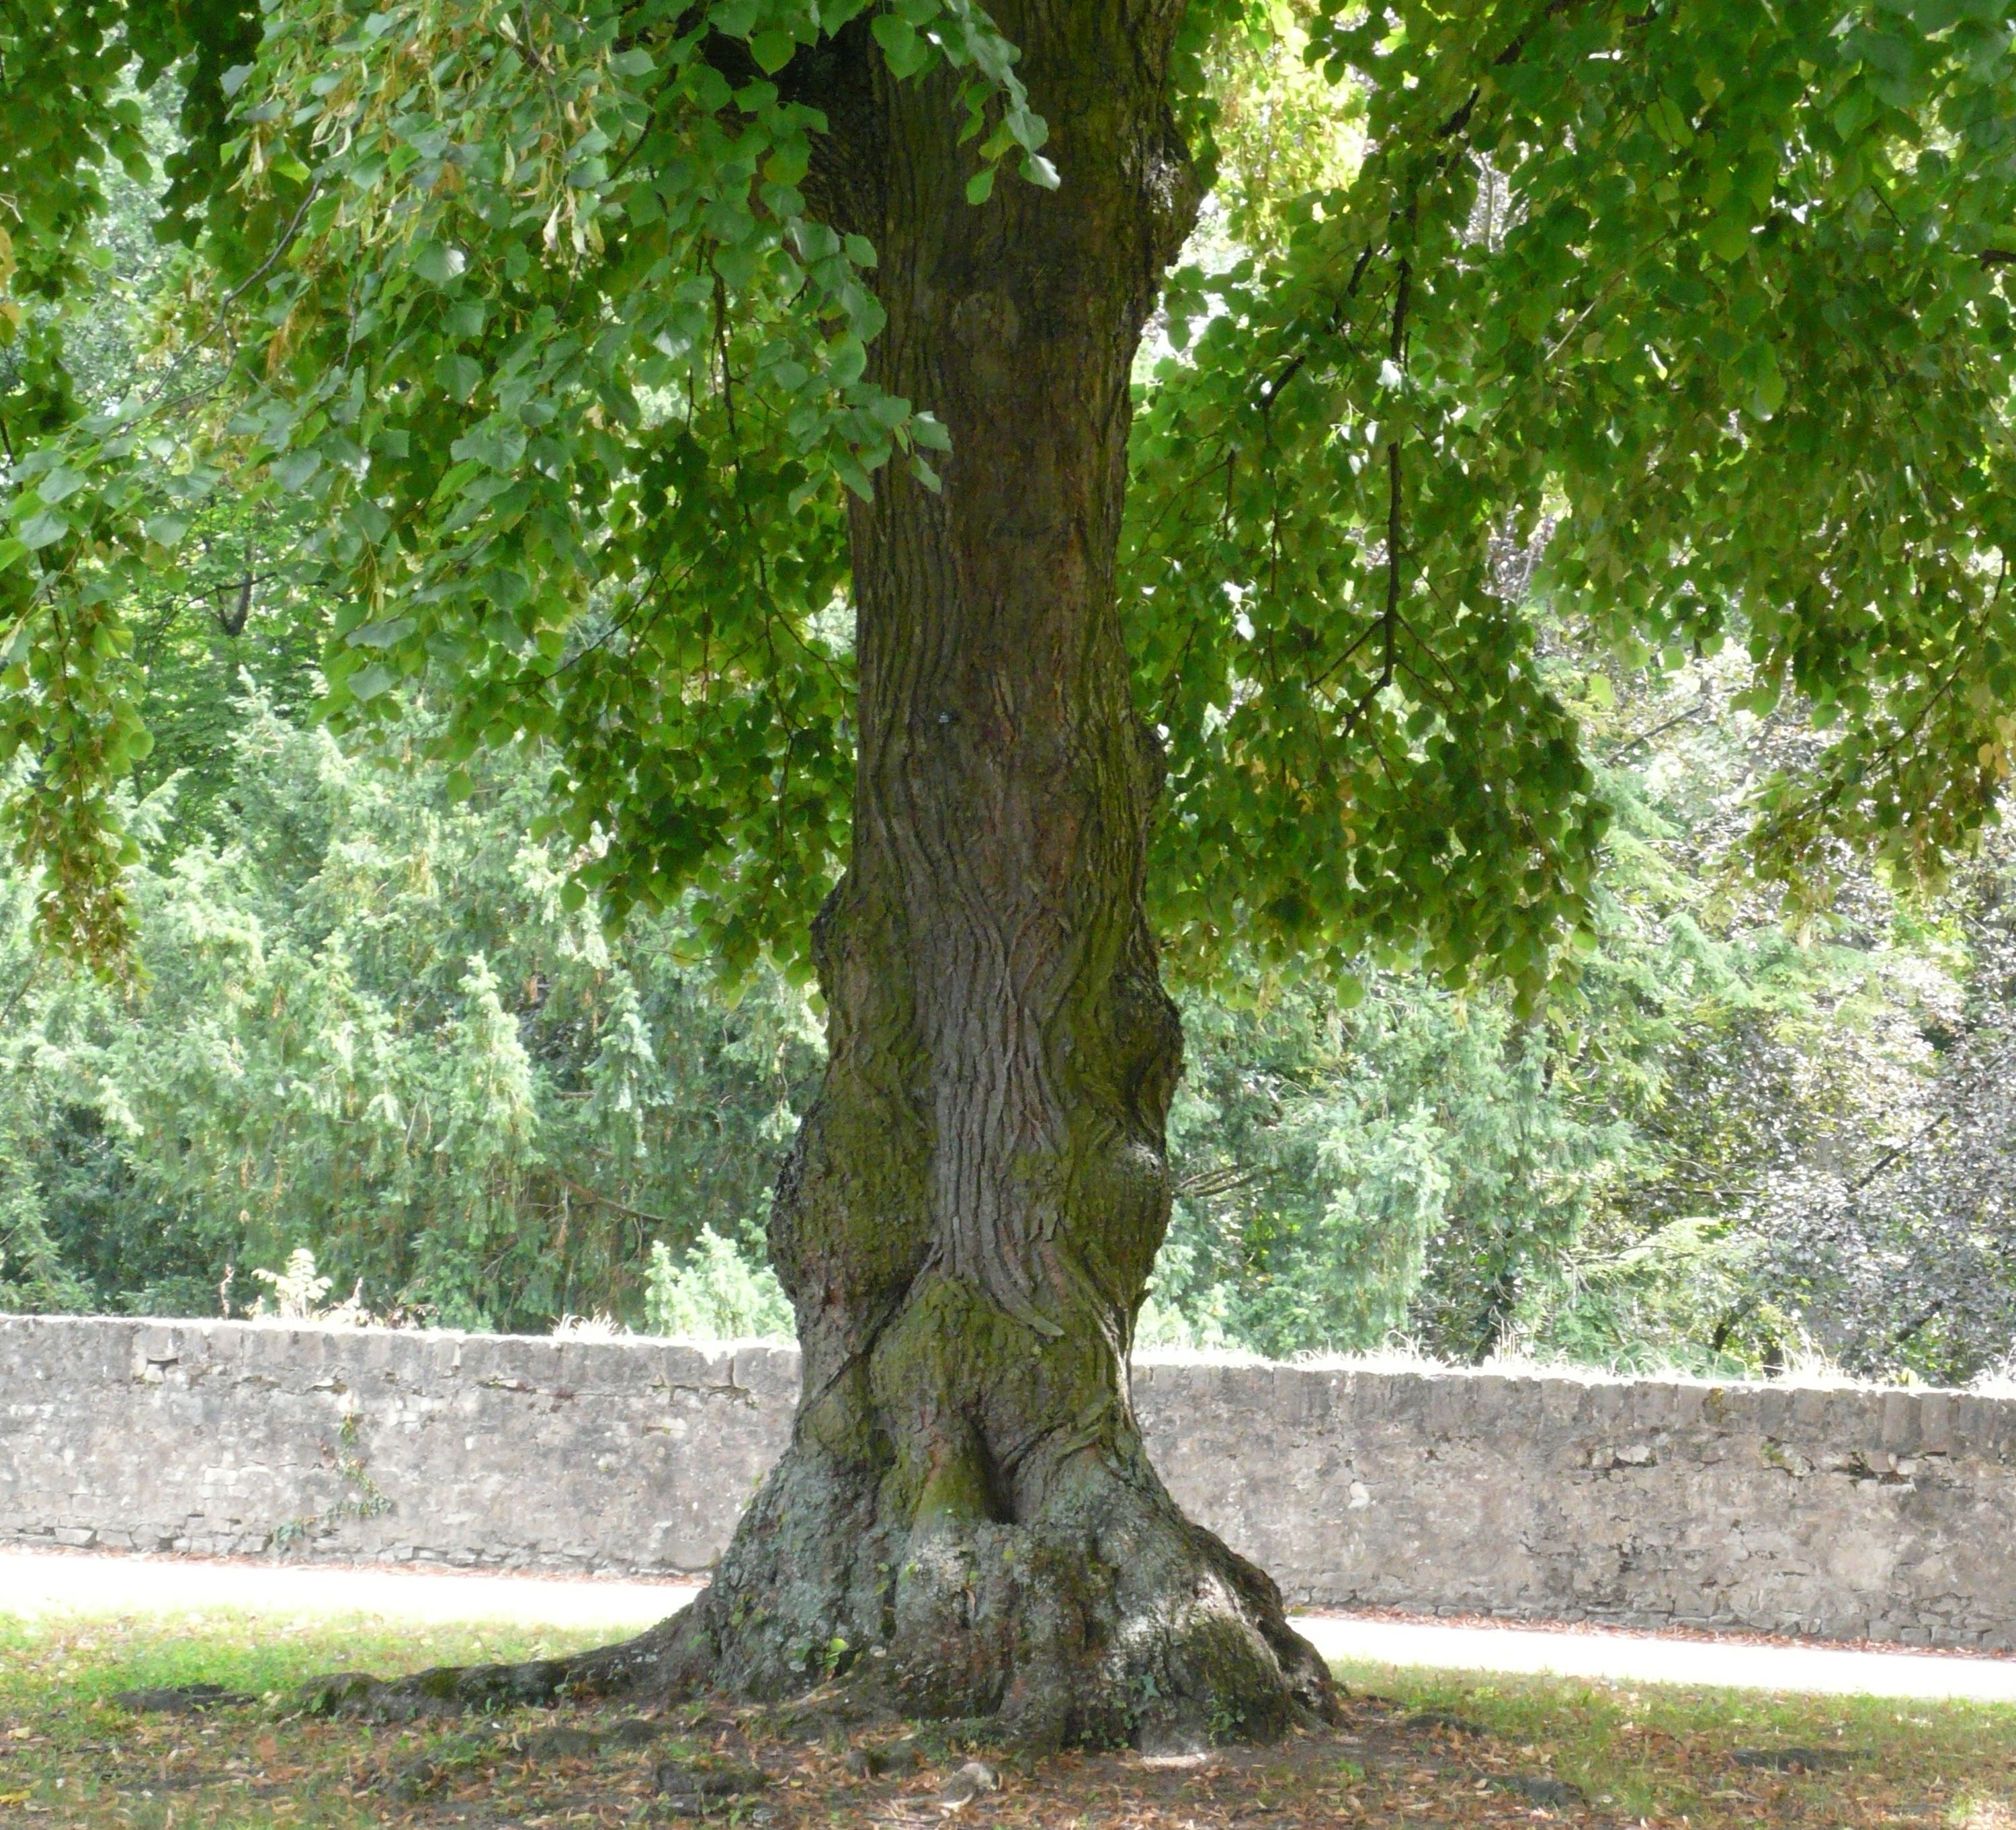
(1835, 1513)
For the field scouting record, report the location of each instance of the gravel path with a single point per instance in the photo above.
(39, 1583)
(1656, 1658)
(35, 1582)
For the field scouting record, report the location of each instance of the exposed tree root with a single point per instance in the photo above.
(647, 1668)
(1149, 1632)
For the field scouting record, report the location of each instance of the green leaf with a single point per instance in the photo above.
(382, 635)
(457, 479)
(1857, 110)
(773, 50)
(438, 264)
(460, 375)
(847, 360)
(43, 528)
(980, 187)
(1728, 237)
(1768, 391)
(295, 468)
(58, 484)
(904, 51)
(855, 476)
(1669, 119)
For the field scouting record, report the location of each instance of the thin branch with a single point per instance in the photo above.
(567, 1181)
(1924, 1316)
(1357, 642)
(1208, 1184)
(1658, 730)
(1271, 391)
(1390, 619)
(20, 991)
(1929, 1128)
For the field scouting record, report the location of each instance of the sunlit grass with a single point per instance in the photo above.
(69, 1756)
(1666, 1754)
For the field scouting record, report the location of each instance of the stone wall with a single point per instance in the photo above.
(1837, 1513)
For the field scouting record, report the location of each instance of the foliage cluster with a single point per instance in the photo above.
(365, 1025)
(1743, 1138)
(1559, 400)
(529, 311)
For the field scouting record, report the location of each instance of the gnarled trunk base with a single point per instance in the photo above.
(1106, 1618)
(1111, 1620)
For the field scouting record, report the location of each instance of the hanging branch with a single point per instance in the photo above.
(1389, 619)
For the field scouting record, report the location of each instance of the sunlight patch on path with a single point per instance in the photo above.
(33, 1583)
(1649, 1658)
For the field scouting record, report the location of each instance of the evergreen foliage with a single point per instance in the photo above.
(364, 1024)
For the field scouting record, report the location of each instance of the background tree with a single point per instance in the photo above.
(601, 348)
(369, 1030)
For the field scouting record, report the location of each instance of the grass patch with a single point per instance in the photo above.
(1669, 1756)
(71, 1758)
(1418, 1748)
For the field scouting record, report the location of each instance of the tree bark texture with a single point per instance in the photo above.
(967, 1220)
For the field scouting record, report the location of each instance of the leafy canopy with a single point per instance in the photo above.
(1693, 314)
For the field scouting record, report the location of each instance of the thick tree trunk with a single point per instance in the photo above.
(966, 1518)
(968, 1219)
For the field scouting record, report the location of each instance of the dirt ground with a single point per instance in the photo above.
(1420, 1749)
(1396, 1760)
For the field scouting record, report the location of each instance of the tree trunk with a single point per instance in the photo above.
(968, 1219)
(966, 1518)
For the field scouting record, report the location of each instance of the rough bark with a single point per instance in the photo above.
(968, 1217)
(966, 1518)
